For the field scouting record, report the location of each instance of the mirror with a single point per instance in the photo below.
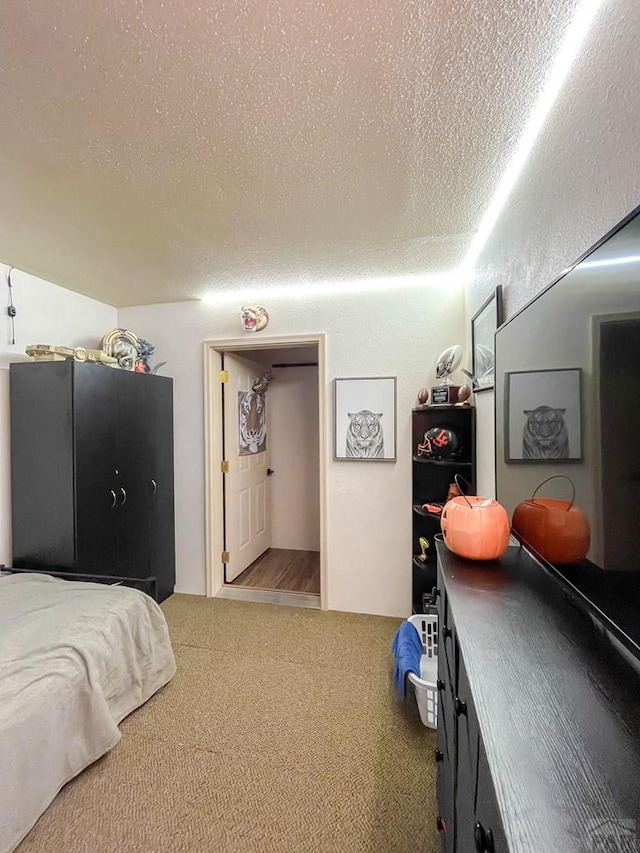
(568, 403)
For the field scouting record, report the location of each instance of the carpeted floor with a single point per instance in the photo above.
(279, 733)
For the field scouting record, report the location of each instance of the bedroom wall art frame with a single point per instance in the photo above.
(543, 416)
(483, 329)
(365, 419)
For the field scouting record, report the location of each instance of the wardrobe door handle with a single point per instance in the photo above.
(124, 496)
(483, 839)
(480, 838)
(459, 707)
(114, 498)
(155, 487)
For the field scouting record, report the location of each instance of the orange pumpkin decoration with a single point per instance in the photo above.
(555, 529)
(476, 528)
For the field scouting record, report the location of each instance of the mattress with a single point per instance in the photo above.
(75, 659)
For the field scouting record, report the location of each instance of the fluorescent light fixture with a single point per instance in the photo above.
(611, 262)
(261, 292)
(567, 52)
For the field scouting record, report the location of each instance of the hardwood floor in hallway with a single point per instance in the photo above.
(283, 570)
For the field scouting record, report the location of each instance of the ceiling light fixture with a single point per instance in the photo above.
(335, 288)
(567, 52)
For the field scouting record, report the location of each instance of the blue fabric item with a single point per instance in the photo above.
(407, 650)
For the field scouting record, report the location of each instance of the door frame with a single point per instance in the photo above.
(213, 432)
(597, 521)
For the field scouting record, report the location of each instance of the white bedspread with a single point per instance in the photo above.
(75, 659)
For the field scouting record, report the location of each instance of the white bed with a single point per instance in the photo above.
(75, 659)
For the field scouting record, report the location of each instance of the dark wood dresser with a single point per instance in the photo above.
(538, 742)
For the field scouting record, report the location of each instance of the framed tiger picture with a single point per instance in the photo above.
(543, 416)
(365, 419)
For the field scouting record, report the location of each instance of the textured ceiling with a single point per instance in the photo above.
(153, 150)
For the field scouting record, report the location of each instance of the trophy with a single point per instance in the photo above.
(446, 394)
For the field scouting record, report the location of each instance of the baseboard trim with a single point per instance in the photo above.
(269, 596)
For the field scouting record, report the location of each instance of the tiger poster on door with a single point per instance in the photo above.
(252, 423)
(365, 419)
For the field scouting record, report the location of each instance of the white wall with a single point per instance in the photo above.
(485, 440)
(581, 179)
(292, 420)
(47, 314)
(393, 333)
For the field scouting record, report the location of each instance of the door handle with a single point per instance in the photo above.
(114, 498)
(155, 487)
(459, 707)
(124, 496)
(270, 471)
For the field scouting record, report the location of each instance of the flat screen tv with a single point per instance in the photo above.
(567, 395)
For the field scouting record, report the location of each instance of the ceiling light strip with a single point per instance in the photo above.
(335, 288)
(567, 52)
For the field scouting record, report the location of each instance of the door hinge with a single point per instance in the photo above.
(224, 466)
(224, 376)
(225, 556)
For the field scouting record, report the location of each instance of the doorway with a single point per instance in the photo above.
(617, 344)
(265, 451)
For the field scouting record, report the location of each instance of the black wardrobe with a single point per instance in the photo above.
(92, 473)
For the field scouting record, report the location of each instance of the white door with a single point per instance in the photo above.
(246, 449)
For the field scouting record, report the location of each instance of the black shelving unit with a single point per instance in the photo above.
(431, 481)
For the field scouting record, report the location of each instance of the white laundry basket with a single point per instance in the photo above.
(425, 687)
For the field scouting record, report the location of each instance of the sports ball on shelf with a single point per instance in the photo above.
(453, 492)
(439, 443)
(464, 392)
(423, 396)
